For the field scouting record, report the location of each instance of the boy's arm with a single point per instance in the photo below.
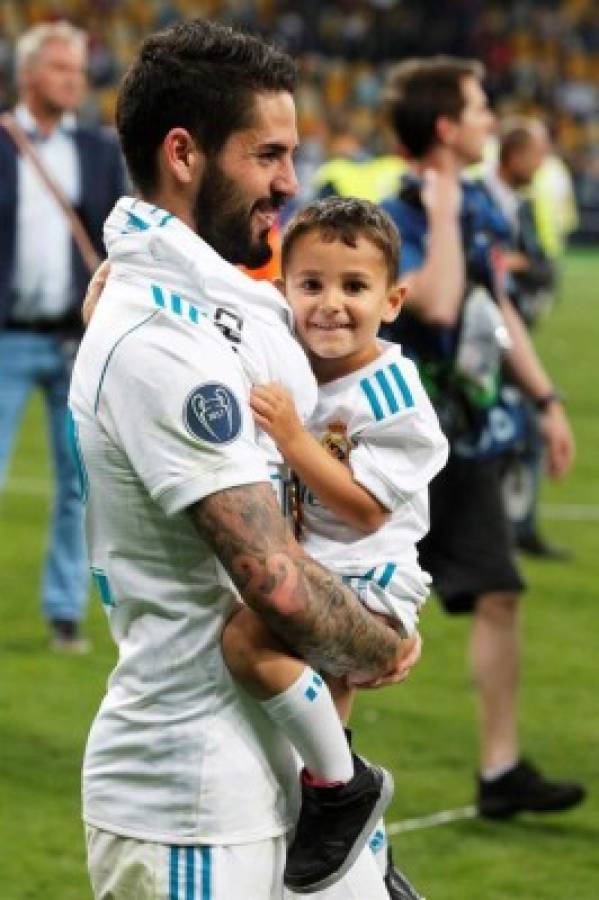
(328, 478)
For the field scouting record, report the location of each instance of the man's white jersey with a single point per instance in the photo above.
(160, 417)
(380, 422)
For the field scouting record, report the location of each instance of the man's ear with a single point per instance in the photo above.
(445, 129)
(394, 302)
(181, 156)
(280, 286)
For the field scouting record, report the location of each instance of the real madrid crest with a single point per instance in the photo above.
(336, 441)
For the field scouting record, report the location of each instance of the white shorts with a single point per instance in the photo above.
(398, 593)
(127, 869)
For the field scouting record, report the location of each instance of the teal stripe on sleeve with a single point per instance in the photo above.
(387, 575)
(158, 296)
(372, 398)
(173, 893)
(176, 304)
(206, 873)
(190, 873)
(387, 391)
(401, 384)
(193, 314)
(136, 222)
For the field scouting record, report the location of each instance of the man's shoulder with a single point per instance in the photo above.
(97, 138)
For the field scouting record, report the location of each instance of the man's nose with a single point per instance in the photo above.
(286, 181)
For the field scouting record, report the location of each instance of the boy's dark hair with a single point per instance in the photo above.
(419, 91)
(198, 75)
(345, 219)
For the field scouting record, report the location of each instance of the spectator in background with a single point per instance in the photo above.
(451, 324)
(350, 171)
(523, 145)
(43, 280)
(554, 204)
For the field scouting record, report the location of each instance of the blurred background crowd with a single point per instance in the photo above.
(541, 58)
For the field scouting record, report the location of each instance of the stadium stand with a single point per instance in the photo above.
(541, 58)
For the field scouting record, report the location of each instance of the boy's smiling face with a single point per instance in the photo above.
(339, 295)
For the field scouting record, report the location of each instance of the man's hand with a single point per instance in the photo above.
(559, 440)
(409, 654)
(94, 290)
(441, 194)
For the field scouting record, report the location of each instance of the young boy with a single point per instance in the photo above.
(365, 461)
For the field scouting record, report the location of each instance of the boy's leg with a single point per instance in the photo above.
(291, 693)
(342, 796)
(124, 868)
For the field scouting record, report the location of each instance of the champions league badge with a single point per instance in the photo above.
(211, 413)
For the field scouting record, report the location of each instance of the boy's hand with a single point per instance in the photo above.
(275, 412)
(94, 290)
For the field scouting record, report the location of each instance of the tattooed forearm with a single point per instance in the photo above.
(304, 604)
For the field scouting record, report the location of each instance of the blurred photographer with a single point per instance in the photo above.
(530, 283)
(462, 329)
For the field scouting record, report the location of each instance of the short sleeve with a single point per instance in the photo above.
(175, 402)
(398, 455)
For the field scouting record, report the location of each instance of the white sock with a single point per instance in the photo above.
(491, 774)
(306, 715)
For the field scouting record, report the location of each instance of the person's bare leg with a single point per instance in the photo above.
(495, 658)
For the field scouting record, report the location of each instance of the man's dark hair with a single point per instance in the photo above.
(198, 75)
(345, 219)
(516, 133)
(419, 91)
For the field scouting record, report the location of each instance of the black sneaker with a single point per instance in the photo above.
(524, 789)
(398, 886)
(65, 637)
(534, 545)
(334, 825)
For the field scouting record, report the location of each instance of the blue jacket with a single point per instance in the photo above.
(483, 227)
(102, 183)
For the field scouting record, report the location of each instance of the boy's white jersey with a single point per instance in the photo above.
(380, 422)
(160, 417)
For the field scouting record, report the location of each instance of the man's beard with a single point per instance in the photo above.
(223, 220)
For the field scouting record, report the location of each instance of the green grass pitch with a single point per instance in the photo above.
(423, 731)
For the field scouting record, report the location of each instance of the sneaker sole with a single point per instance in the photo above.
(358, 845)
(506, 812)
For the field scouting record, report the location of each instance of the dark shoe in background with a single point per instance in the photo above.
(536, 546)
(525, 789)
(65, 637)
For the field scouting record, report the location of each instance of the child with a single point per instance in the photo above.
(372, 446)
